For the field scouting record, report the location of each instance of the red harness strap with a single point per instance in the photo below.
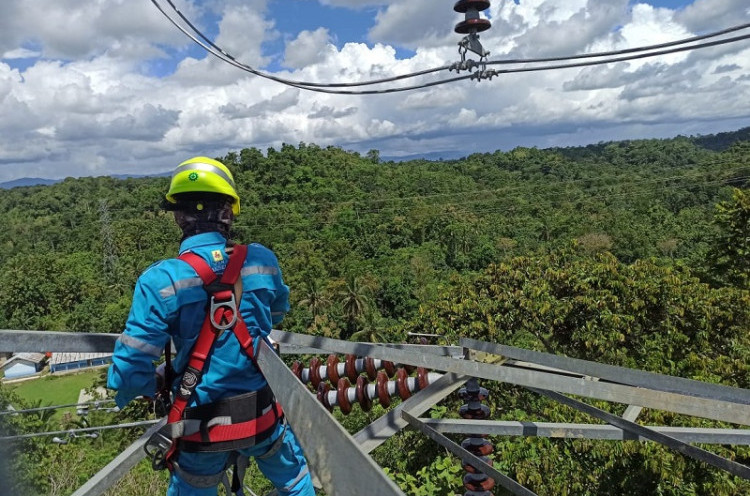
(223, 313)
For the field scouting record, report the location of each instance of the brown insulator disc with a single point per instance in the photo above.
(364, 401)
(297, 369)
(478, 482)
(323, 389)
(315, 372)
(402, 385)
(350, 367)
(332, 369)
(479, 446)
(389, 367)
(472, 26)
(382, 389)
(481, 413)
(343, 397)
(472, 470)
(423, 378)
(409, 368)
(372, 372)
(463, 6)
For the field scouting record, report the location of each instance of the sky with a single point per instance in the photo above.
(112, 87)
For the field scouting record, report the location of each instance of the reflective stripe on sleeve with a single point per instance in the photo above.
(140, 345)
(267, 270)
(172, 289)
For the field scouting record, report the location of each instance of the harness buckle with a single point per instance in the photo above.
(157, 448)
(230, 304)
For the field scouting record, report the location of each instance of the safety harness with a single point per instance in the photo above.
(230, 424)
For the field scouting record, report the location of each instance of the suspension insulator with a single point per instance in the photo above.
(402, 382)
(474, 394)
(472, 23)
(370, 369)
(422, 378)
(469, 413)
(472, 470)
(363, 398)
(382, 390)
(297, 370)
(323, 389)
(389, 367)
(472, 26)
(315, 365)
(477, 446)
(463, 6)
(343, 396)
(350, 369)
(332, 365)
(478, 482)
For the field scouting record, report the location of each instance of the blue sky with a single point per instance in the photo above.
(112, 87)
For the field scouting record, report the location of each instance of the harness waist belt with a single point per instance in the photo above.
(234, 423)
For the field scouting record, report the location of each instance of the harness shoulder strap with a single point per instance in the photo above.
(223, 314)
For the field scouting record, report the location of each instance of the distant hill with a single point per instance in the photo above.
(721, 141)
(28, 181)
(38, 181)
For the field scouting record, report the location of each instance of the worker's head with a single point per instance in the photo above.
(203, 196)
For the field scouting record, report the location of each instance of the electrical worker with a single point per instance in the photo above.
(223, 410)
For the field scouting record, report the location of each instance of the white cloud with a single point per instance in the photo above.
(310, 47)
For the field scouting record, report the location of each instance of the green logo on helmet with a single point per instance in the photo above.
(193, 176)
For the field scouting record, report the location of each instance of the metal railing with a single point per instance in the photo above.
(340, 461)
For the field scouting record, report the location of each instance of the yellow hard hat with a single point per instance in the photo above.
(203, 175)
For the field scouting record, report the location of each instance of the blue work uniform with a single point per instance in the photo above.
(169, 302)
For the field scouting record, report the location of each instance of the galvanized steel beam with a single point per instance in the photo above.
(670, 442)
(620, 375)
(690, 405)
(389, 424)
(13, 341)
(121, 465)
(738, 437)
(334, 457)
(469, 458)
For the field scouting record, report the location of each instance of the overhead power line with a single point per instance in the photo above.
(95, 404)
(83, 429)
(331, 88)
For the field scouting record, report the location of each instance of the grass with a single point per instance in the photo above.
(56, 390)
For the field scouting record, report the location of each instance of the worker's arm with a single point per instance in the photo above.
(142, 342)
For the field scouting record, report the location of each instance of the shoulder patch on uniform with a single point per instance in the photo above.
(217, 255)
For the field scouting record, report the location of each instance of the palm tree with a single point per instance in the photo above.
(355, 300)
(315, 300)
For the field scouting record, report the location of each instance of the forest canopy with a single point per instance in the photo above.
(634, 253)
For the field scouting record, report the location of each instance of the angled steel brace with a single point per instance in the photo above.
(334, 457)
(468, 458)
(620, 375)
(584, 431)
(121, 465)
(679, 446)
(389, 424)
(736, 413)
